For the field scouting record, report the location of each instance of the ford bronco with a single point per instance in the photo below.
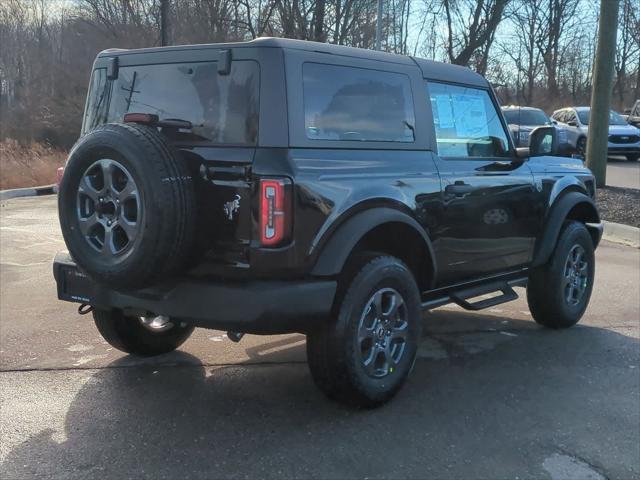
(280, 186)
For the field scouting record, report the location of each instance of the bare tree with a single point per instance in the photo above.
(521, 46)
(556, 18)
(543, 57)
(628, 45)
(471, 27)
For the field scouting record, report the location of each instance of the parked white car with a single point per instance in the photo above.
(624, 139)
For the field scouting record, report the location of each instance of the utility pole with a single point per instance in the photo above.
(379, 26)
(165, 27)
(601, 90)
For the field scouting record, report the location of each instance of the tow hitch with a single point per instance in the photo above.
(235, 336)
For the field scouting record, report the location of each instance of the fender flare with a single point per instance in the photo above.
(336, 251)
(557, 215)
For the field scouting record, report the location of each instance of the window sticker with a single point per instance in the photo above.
(445, 112)
(470, 116)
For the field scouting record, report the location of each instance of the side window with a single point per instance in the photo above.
(356, 104)
(467, 122)
(557, 116)
(569, 116)
(97, 101)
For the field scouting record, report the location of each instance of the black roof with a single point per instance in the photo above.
(430, 69)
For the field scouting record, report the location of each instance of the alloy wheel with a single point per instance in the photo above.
(109, 208)
(383, 332)
(576, 275)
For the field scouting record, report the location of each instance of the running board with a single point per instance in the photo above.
(462, 296)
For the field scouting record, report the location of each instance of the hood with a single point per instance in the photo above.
(623, 130)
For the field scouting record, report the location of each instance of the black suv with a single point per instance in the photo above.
(284, 186)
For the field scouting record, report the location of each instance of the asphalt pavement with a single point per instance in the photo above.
(623, 173)
(492, 394)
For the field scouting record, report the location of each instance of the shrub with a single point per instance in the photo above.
(28, 165)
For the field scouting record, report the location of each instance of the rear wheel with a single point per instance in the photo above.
(558, 293)
(147, 336)
(365, 355)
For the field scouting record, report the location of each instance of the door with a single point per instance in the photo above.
(569, 122)
(488, 220)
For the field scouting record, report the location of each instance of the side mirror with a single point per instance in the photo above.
(627, 111)
(549, 140)
(572, 123)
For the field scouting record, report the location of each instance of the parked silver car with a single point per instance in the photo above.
(624, 139)
(632, 115)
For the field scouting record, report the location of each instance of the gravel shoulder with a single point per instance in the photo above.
(619, 205)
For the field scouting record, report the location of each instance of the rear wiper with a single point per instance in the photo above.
(175, 123)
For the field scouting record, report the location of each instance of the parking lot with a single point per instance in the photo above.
(623, 173)
(492, 394)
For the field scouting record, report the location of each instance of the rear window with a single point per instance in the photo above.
(356, 104)
(525, 117)
(223, 109)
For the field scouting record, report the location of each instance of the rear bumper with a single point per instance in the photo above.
(262, 307)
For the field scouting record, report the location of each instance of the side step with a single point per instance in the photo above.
(463, 295)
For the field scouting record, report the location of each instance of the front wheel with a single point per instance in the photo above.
(581, 147)
(364, 356)
(147, 336)
(558, 293)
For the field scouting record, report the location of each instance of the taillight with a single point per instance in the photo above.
(275, 211)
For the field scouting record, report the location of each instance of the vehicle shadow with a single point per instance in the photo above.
(471, 412)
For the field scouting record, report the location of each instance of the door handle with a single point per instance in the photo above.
(459, 189)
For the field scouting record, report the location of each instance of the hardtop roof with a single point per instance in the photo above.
(430, 69)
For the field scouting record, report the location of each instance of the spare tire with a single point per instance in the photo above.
(126, 205)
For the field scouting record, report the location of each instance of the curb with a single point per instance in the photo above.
(28, 192)
(623, 234)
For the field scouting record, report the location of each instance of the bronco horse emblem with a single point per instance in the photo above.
(231, 207)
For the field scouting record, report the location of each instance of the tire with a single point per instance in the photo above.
(581, 147)
(126, 206)
(130, 335)
(555, 301)
(337, 356)
(633, 158)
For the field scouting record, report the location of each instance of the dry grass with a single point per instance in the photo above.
(28, 165)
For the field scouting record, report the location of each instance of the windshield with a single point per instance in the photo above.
(526, 117)
(614, 117)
